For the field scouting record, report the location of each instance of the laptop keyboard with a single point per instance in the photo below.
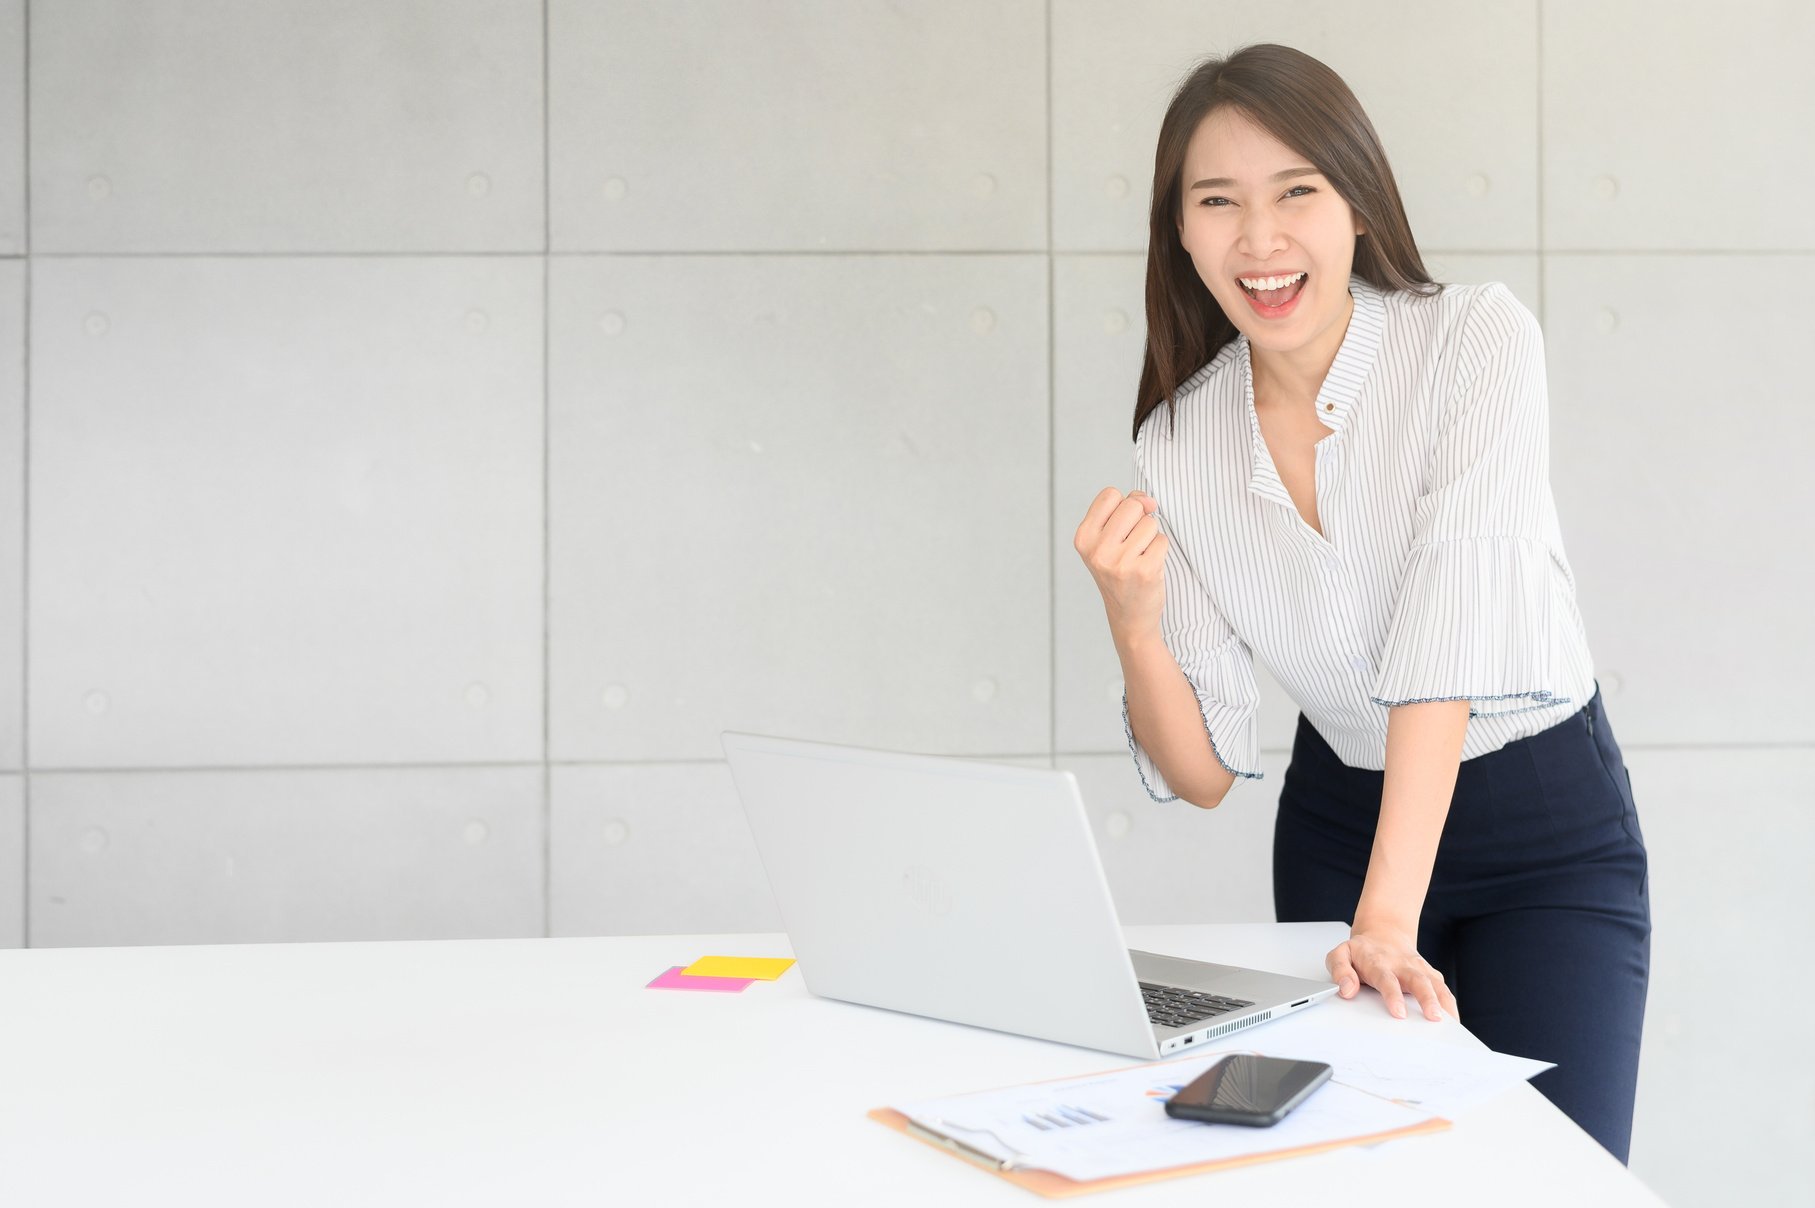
(1175, 1008)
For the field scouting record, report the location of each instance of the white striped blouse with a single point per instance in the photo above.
(1440, 573)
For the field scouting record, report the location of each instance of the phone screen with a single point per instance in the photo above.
(1243, 1084)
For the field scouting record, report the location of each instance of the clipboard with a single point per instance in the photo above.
(1056, 1186)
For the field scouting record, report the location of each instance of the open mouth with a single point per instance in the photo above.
(1274, 299)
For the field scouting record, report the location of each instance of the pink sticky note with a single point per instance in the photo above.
(674, 979)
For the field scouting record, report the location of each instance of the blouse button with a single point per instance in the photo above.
(1329, 406)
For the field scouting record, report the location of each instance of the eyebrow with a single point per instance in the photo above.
(1221, 182)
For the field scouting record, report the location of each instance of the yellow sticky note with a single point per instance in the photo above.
(765, 968)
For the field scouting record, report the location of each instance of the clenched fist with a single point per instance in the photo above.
(1120, 541)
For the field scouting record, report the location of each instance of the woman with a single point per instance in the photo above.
(1355, 487)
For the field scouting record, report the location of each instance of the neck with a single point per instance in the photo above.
(1292, 378)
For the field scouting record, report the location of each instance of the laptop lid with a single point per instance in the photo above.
(944, 887)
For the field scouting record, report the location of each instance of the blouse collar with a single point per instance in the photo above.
(1341, 386)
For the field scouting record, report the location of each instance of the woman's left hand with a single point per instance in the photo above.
(1387, 959)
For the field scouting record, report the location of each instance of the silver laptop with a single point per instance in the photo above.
(973, 892)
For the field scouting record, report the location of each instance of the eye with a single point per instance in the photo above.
(1295, 188)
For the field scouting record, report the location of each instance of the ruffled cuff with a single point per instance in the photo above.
(1475, 621)
(1227, 700)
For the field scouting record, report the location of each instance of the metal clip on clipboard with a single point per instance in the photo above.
(967, 1152)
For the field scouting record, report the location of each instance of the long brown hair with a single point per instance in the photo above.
(1306, 106)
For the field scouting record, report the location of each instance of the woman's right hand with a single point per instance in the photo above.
(1120, 541)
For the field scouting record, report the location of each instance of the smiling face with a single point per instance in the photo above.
(1253, 207)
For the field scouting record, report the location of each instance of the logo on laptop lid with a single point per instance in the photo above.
(925, 890)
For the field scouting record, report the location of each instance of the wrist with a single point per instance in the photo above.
(1384, 919)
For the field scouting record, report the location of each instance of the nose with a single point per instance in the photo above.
(1261, 232)
(1261, 235)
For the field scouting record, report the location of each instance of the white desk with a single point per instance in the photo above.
(542, 1072)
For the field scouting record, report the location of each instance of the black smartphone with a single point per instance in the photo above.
(1245, 1089)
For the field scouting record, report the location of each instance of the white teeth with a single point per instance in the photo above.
(1268, 282)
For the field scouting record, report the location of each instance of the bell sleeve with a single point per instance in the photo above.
(1217, 664)
(1483, 598)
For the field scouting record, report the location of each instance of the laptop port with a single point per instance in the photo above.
(1189, 1039)
(1301, 1002)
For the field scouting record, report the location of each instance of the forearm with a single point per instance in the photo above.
(1423, 757)
(1167, 722)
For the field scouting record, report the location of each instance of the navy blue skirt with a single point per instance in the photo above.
(1538, 913)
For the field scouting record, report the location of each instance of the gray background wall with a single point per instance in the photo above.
(425, 425)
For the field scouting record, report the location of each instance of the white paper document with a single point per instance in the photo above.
(1428, 1065)
(1101, 1125)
